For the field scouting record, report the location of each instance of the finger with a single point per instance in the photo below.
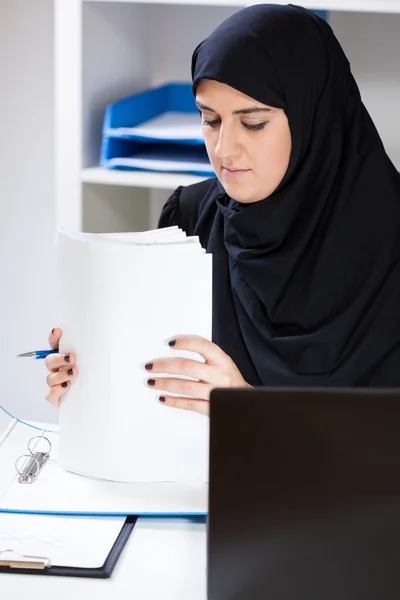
(189, 367)
(54, 337)
(54, 394)
(194, 389)
(199, 406)
(212, 353)
(54, 362)
(60, 377)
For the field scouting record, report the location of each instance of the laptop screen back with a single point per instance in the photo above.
(304, 500)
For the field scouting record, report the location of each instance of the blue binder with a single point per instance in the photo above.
(55, 491)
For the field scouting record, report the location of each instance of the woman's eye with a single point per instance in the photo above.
(213, 123)
(216, 122)
(255, 127)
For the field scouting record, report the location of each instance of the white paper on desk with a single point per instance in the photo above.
(67, 541)
(167, 126)
(119, 303)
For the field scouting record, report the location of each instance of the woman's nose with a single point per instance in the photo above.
(228, 144)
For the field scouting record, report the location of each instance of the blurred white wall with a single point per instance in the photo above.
(372, 44)
(26, 202)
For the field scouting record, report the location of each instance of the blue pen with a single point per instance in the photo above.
(37, 354)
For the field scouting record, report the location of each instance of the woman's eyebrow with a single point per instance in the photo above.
(243, 111)
(204, 107)
(249, 111)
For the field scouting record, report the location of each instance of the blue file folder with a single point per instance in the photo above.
(56, 491)
(127, 145)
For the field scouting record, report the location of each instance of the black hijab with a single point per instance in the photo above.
(308, 280)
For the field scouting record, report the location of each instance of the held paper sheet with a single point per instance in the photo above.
(121, 299)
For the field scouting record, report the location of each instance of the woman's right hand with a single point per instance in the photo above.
(62, 369)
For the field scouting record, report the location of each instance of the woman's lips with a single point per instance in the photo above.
(233, 173)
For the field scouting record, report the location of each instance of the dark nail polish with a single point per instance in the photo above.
(149, 366)
(64, 384)
(66, 358)
(70, 372)
(52, 331)
(172, 343)
(151, 381)
(162, 399)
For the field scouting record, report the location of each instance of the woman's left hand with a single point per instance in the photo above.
(218, 370)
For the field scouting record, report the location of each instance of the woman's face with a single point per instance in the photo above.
(249, 143)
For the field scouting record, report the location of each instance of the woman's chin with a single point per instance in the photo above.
(240, 193)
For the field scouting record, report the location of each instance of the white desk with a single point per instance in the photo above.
(164, 559)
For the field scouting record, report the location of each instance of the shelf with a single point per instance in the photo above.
(143, 179)
(379, 6)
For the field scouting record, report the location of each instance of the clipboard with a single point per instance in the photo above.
(39, 565)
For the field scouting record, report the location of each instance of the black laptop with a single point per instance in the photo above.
(304, 497)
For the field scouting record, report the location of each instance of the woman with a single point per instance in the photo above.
(303, 218)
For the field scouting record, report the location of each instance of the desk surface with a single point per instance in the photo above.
(164, 559)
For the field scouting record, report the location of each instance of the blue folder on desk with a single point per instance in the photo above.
(155, 130)
(56, 491)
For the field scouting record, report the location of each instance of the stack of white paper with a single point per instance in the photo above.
(121, 297)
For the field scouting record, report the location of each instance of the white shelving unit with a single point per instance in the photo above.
(107, 49)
